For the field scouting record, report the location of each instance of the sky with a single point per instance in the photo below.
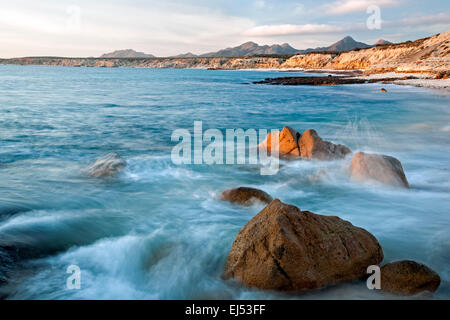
(85, 28)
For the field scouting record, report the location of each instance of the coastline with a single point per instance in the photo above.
(422, 80)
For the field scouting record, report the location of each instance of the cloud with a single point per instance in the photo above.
(259, 4)
(159, 28)
(292, 29)
(350, 6)
(435, 19)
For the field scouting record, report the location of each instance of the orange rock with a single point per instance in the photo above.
(288, 142)
(312, 146)
(383, 90)
(441, 75)
(283, 248)
(367, 167)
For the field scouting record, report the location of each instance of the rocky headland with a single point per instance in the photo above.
(429, 56)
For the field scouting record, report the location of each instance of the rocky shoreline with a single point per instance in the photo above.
(329, 80)
(428, 56)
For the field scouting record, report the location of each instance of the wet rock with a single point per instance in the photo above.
(246, 196)
(283, 248)
(383, 90)
(367, 167)
(107, 166)
(408, 278)
(325, 81)
(314, 147)
(288, 142)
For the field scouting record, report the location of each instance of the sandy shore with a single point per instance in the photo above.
(424, 80)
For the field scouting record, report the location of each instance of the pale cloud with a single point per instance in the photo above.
(259, 4)
(50, 27)
(161, 30)
(292, 29)
(427, 20)
(299, 9)
(350, 6)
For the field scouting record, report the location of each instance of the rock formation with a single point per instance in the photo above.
(283, 248)
(312, 146)
(307, 145)
(408, 278)
(246, 196)
(367, 167)
(107, 166)
(287, 142)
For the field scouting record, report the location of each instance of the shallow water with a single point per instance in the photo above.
(157, 231)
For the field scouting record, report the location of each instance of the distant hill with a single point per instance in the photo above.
(251, 49)
(185, 55)
(127, 53)
(346, 44)
(381, 42)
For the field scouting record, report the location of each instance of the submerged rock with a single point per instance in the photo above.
(367, 167)
(246, 196)
(314, 147)
(288, 142)
(383, 90)
(107, 166)
(283, 248)
(408, 278)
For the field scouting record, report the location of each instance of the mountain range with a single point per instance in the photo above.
(252, 49)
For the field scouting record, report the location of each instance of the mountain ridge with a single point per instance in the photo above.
(251, 48)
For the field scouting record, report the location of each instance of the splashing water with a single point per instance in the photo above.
(158, 230)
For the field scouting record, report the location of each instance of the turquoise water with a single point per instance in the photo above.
(157, 231)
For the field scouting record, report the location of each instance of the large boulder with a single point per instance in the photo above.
(312, 146)
(288, 142)
(368, 167)
(107, 166)
(283, 248)
(246, 196)
(408, 278)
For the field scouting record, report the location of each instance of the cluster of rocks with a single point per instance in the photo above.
(285, 249)
(364, 167)
(306, 145)
(328, 80)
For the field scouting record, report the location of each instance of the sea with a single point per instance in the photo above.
(158, 230)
